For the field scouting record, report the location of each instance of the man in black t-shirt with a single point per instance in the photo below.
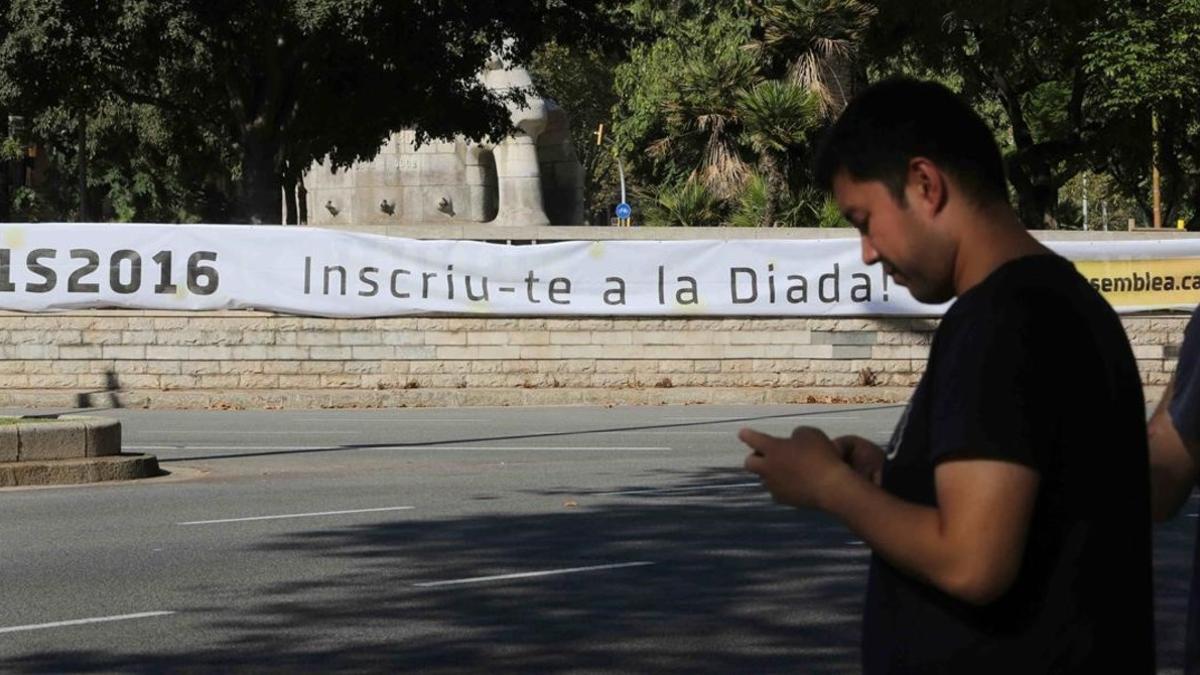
(1009, 515)
(1175, 463)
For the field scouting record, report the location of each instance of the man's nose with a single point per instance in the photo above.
(869, 255)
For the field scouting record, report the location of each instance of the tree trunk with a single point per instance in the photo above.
(776, 182)
(1031, 168)
(6, 171)
(1036, 207)
(291, 215)
(1037, 196)
(261, 186)
(85, 213)
(301, 202)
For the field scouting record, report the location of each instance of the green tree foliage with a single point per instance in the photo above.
(814, 43)
(688, 204)
(1026, 55)
(677, 117)
(175, 110)
(728, 91)
(1144, 56)
(138, 168)
(777, 116)
(281, 82)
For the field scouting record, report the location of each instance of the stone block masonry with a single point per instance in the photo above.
(248, 359)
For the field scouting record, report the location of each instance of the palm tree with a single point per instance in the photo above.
(737, 92)
(689, 204)
(814, 42)
(777, 116)
(707, 104)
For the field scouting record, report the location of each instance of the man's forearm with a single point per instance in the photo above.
(1172, 466)
(973, 556)
(907, 535)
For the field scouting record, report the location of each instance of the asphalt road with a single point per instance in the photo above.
(450, 540)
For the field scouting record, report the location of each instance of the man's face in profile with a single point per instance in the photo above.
(914, 253)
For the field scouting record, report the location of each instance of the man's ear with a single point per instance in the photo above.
(927, 188)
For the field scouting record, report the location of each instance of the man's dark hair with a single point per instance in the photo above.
(896, 120)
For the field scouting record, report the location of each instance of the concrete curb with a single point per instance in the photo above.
(66, 450)
(307, 399)
(72, 471)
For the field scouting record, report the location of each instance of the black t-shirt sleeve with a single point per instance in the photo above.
(993, 387)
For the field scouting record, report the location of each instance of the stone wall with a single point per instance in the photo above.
(244, 359)
(404, 185)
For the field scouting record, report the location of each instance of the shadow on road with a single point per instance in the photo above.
(1172, 577)
(737, 585)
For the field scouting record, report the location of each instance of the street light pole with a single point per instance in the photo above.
(1155, 179)
(600, 138)
(1085, 202)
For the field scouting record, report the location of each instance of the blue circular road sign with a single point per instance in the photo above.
(624, 210)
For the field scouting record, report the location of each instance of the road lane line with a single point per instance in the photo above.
(680, 432)
(727, 420)
(218, 432)
(642, 491)
(527, 575)
(180, 446)
(359, 419)
(296, 515)
(80, 622)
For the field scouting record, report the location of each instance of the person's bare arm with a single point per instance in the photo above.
(1173, 462)
(970, 546)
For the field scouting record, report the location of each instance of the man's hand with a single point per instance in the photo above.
(970, 545)
(863, 456)
(799, 471)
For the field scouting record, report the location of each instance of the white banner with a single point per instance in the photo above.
(46, 267)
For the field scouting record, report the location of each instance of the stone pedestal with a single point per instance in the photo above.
(520, 183)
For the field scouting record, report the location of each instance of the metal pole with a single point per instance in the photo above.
(600, 139)
(1085, 204)
(1155, 178)
(621, 172)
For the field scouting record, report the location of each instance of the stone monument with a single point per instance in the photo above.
(532, 177)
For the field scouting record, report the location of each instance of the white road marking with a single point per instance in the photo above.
(326, 420)
(179, 446)
(723, 486)
(556, 448)
(233, 432)
(527, 575)
(726, 420)
(677, 432)
(296, 515)
(80, 622)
